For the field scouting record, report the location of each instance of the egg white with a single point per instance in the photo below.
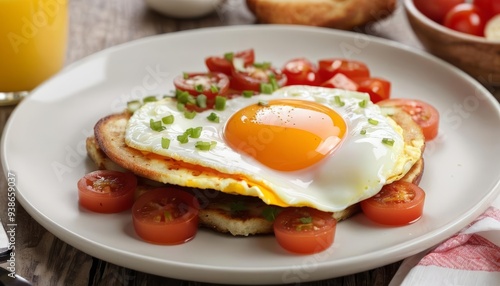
(355, 171)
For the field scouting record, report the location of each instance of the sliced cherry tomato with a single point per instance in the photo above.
(327, 68)
(107, 191)
(304, 230)
(424, 114)
(224, 63)
(251, 77)
(466, 18)
(300, 71)
(166, 216)
(398, 203)
(378, 88)
(341, 81)
(436, 9)
(209, 84)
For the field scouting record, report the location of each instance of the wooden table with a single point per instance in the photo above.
(95, 25)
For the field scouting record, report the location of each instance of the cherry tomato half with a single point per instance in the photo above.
(378, 88)
(166, 216)
(253, 76)
(224, 63)
(209, 84)
(424, 114)
(398, 203)
(300, 71)
(304, 230)
(466, 18)
(107, 191)
(436, 9)
(327, 68)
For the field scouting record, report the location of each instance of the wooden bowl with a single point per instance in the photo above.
(475, 55)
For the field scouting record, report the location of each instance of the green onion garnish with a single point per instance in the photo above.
(165, 143)
(266, 88)
(229, 56)
(199, 88)
(372, 121)
(151, 98)
(247, 93)
(169, 119)
(388, 141)
(220, 102)
(306, 220)
(362, 132)
(213, 117)
(185, 75)
(185, 97)
(181, 106)
(156, 125)
(183, 138)
(264, 65)
(195, 132)
(214, 88)
(133, 105)
(237, 206)
(273, 82)
(201, 101)
(205, 145)
(363, 103)
(270, 213)
(189, 114)
(338, 101)
(263, 103)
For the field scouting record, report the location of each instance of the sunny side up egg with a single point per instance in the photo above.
(300, 146)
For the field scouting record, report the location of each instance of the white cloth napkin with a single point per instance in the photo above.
(471, 257)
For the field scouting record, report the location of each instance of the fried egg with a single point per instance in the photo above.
(300, 146)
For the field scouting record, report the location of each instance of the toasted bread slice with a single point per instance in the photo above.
(234, 214)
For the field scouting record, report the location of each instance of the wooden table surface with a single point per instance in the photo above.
(95, 25)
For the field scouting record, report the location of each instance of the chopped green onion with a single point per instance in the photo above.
(185, 97)
(133, 105)
(266, 88)
(362, 132)
(264, 65)
(213, 117)
(270, 213)
(183, 138)
(156, 125)
(372, 121)
(189, 114)
(338, 101)
(169, 119)
(247, 93)
(388, 141)
(237, 206)
(168, 216)
(363, 103)
(165, 143)
(306, 220)
(195, 132)
(151, 98)
(199, 88)
(263, 103)
(274, 83)
(229, 56)
(181, 106)
(214, 88)
(201, 101)
(220, 102)
(185, 75)
(205, 145)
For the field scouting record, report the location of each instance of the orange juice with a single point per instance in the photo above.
(33, 36)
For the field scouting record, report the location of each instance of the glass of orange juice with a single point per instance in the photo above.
(33, 40)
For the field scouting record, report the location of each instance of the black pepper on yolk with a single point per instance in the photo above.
(285, 134)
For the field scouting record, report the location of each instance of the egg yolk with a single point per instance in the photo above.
(285, 134)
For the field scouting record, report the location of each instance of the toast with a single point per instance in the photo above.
(339, 14)
(226, 213)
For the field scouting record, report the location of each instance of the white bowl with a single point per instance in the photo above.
(184, 8)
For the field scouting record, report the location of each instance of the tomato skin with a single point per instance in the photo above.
(106, 191)
(489, 7)
(150, 210)
(436, 9)
(378, 88)
(388, 208)
(223, 65)
(300, 71)
(341, 81)
(252, 77)
(466, 18)
(306, 240)
(327, 68)
(424, 114)
(188, 82)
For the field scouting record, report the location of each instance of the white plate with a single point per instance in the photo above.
(44, 140)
